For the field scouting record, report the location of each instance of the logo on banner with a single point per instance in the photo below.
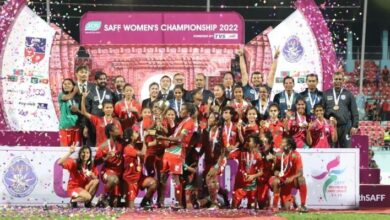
(93, 26)
(293, 49)
(331, 176)
(19, 177)
(34, 50)
(42, 106)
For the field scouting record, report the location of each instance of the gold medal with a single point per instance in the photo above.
(138, 168)
(100, 106)
(281, 174)
(131, 164)
(312, 111)
(336, 107)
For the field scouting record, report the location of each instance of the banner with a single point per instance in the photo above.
(332, 177)
(161, 28)
(31, 175)
(299, 53)
(28, 104)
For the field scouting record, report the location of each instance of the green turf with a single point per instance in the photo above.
(332, 216)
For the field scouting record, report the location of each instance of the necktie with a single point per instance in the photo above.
(83, 88)
(178, 106)
(229, 94)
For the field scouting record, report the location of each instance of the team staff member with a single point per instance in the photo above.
(287, 98)
(311, 95)
(94, 103)
(251, 93)
(341, 104)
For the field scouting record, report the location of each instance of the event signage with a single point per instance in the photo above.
(31, 175)
(26, 93)
(126, 28)
(299, 53)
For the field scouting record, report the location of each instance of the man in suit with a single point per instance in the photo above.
(311, 94)
(165, 84)
(200, 83)
(82, 75)
(119, 82)
(341, 104)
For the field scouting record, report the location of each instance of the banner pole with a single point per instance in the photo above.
(363, 47)
(48, 14)
(208, 6)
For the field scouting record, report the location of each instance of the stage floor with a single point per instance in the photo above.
(59, 212)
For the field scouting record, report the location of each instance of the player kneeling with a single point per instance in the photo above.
(83, 178)
(132, 174)
(288, 174)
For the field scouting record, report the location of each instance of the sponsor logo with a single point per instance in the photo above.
(293, 49)
(330, 175)
(34, 50)
(93, 26)
(20, 178)
(42, 106)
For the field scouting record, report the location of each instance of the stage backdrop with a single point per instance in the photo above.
(30, 176)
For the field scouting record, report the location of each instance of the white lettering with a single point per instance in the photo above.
(373, 197)
(112, 27)
(140, 27)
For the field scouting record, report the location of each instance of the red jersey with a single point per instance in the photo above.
(240, 107)
(277, 130)
(100, 126)
(251, 129)
(132, 164)
(113, 163)
(297, 130)
(185, 128)
(202, 116)
(292, 163)
(229, 134)
(268, 169)
(127, 117)
(249, 163)
(77, 178)
(211, 146)
(320, 133)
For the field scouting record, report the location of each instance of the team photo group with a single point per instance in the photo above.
(131, 145)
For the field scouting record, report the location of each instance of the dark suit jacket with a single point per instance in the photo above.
(206, 95)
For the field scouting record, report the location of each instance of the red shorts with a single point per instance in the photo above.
(172, 163)
(69, 135)
(240, 193)
(105, 174)
(132, 188)
(74, 193)
(285, 188)
(262, 191)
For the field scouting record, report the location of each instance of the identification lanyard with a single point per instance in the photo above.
(100, 98)
(177, 105)
(213, 139)
(127, 108)
(282, 168)
(336, 99)
(290, 100)
(261, 108)
(311, 100)
(105, 120)
(228, 132)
